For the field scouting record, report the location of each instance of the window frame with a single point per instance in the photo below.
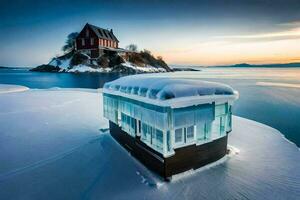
(190, 139)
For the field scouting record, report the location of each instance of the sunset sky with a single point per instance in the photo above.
(183, 32)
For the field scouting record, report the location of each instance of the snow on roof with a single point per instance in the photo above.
(163, 89)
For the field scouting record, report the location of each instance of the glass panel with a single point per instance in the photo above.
(183, 117)
(222, 125)
(200, 131)
(190, 133)
(216, 128)
(220, 109)
(178, 135)
(208, 130)
(153, 137)
(168, 141)
(229, 120)
(144, 132)
(159, 140)
(149, 134)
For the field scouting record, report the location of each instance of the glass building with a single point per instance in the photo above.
(165, 116)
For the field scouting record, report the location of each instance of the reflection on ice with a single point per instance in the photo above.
(273, 84)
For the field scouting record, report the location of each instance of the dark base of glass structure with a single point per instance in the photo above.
(185, 158)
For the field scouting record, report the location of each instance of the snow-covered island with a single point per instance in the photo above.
(55, 145)
(95, 49)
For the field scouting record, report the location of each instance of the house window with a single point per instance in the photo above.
(152, 136)
(146, 133)
(157, 140)
(92, 41)
(82, 41)
(184, 135)
(190, 133)
(219, 125)
(87, 33)
(178, 136)
(128, 124)
(203, 131)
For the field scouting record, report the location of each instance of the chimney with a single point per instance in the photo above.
(111, 30)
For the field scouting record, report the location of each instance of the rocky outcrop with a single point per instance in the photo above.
(46, 68)
(134, 62)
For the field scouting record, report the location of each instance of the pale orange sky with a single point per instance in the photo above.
(272, 47)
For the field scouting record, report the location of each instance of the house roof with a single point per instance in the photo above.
(172, 92)
(103, 33)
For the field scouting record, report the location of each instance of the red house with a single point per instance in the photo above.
(94, 41)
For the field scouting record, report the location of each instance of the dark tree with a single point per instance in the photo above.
(132, 47)
(70, 42)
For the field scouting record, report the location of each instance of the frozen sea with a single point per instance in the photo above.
(55, 145)
(267, 95)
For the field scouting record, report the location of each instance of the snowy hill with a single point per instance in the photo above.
(142, 62)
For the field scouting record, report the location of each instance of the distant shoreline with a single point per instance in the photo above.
(241, 65)
(246, 65)
(199, 67)
(2, 67)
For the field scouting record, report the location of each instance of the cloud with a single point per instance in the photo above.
(292, 33)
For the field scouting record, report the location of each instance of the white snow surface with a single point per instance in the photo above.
(168, 89)
(6, 88)
(55, 145)
(147, 68)
(84, 68)
(64, 64)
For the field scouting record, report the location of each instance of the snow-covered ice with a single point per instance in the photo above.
(274, 84)
(55, 145)
(5, 88)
